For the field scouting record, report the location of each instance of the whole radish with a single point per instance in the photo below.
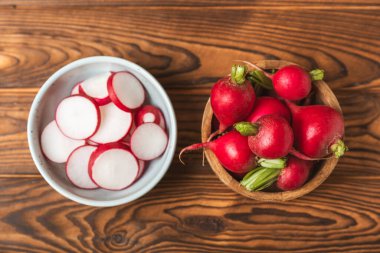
(232, 98)
(294, 175)
(270, 137)
(268, 106)
(290, 174)
(232, 151)
(290, 82)
(318, 130)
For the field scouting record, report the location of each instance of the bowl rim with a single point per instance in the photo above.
(172, 133)
(327, 166)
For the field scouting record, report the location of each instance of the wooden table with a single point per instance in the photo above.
(188, 45)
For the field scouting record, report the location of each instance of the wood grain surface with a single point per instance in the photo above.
(187, 45)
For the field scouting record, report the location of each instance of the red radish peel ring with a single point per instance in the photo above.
(125, 90)
(77, 167)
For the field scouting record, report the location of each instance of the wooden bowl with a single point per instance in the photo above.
(323, 95)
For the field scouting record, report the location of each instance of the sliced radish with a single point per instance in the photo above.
(162, 121)
(148, 114)
(77, 167)
(75, 90)
(127, 139)
(113, 167)
(77, 117)
(141, 169)
(114, 124)
(148, 141)
(55, 145)
(125, 90)
(96, 87)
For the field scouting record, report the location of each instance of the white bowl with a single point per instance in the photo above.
(59, 86)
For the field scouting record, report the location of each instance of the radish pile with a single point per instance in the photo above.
(104, 133)
(274, 139)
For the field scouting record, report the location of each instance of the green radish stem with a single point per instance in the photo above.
(338, 148)
(246, 128)
(264, 175)
(260, 178)
(317, 74)
(238, 73)
(272, 163)
(258, 76)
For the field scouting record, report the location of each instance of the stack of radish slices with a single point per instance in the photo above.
(104, 133)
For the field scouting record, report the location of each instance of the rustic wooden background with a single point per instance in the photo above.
(187, 45)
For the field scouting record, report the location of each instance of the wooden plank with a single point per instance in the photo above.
(189, 49)
(196, 3)
(192, 214)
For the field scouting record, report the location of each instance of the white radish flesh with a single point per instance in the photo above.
(77, 117)
(75, 90)
(96, 87)
(148, 141)
(149, 117)
(55, 145)
(113, 168)
(149, 114)
(77, 167)
(126, 91)
(114, 124)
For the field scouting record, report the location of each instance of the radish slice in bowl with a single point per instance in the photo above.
(96, 88)
(75, 90)
(114, 125)
(77, 117)
(126, 91)
(113, 167)
(148, 141)
(77, 167)
(149, 114)
(141, 169)
(55, 145)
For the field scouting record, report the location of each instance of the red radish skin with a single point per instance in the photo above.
(148, 141)
(77, 167)
(78, 117)
(268, 106)
(96, 88)
(318, 130)
(232, 98)
(115, 171)
(125, 91)
(141, 169)
(149, 114)
(294, 175)
(270, 137)
(232, 151)
(55, 145)
(114, 124)
(292, 82)
(162, 121)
